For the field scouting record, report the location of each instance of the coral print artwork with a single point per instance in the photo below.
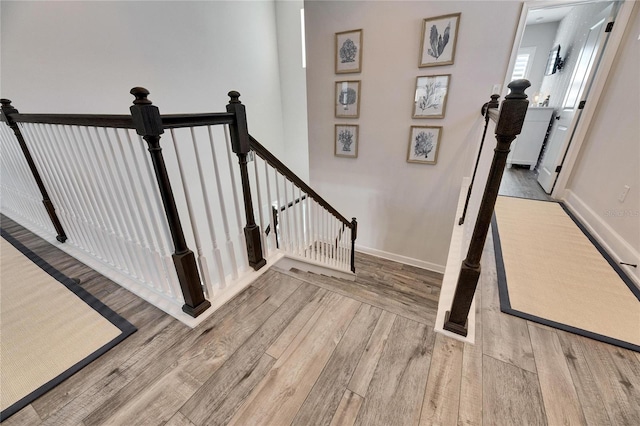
(424, 142)
(348, 55)
(346, 143)
(439, 37)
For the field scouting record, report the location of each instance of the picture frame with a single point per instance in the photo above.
(348, 55)
(424, 144)
(346, 140)
(430, 96)
(439, 39)
(347, 104)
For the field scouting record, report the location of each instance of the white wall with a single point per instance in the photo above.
(72, 57)
(402, 209)
(610, 156)
(293, 81)
(541, 37)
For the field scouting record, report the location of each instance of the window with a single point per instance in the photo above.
(523, 63)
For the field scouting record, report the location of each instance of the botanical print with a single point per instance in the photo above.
(348, 51)
(439, 36)
(423, 144)
(431, 96)
(438, 41)
(346, 144)
(347, 99)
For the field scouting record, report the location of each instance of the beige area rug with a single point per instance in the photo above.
(551, 271)
(50, 327)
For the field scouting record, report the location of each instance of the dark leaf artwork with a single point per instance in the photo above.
(348, 51)
(438, 41)
(423, 144)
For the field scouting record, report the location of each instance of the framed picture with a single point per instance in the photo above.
(424, 142)
(348, 99)
(349, 52)
(430, 97)
(346, 140)
(439, 37)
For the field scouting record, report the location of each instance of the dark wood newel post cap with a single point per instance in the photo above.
(235, 97)
(517, 89)
(5, 102)
(146, 117)
(141, 96)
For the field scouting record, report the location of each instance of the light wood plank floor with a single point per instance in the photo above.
(295, 348)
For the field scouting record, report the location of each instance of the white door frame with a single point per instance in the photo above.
(597, 86)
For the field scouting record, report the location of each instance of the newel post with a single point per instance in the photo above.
(7, 110)
(512, 113)
(354, 235)
(240, 145)
(148, 124)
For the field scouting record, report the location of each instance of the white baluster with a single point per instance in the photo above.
(71, 191)
(51, 168)
(110, 198)
(132, 226)
(260, 214)
(134, 203)
(100, 191)
(269, 211)
(202, 261)
(279, 236)
(207, 207)
(160, 217)
(231, 252)
(242, 242)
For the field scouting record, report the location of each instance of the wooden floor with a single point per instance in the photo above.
(296, 348)
(522, 183)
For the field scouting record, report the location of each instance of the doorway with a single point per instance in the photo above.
(558, 51)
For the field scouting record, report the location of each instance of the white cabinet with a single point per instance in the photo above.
(525, 149)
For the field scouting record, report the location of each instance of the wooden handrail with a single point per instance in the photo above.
(169, 121)
(267, 156)
(94, 120)
(487, 111)
(174, 121)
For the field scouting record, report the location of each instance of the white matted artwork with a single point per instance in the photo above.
(346, 141)
(430, 98)
(424, 142)
(439, 38)
(348, 52)
(348, 99)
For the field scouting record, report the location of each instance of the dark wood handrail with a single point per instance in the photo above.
(169, 121)
(94, 120)
(173, 121)
(487, 112)
(267, 156)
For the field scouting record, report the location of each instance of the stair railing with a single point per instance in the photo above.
(117, 205)
(509, 123)
(304, 225)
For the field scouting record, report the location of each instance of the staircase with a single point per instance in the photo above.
(157, 203)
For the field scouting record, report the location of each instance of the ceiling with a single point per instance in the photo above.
(551, 14)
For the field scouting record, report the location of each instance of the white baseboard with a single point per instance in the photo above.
(401, 259)
(617, 247)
